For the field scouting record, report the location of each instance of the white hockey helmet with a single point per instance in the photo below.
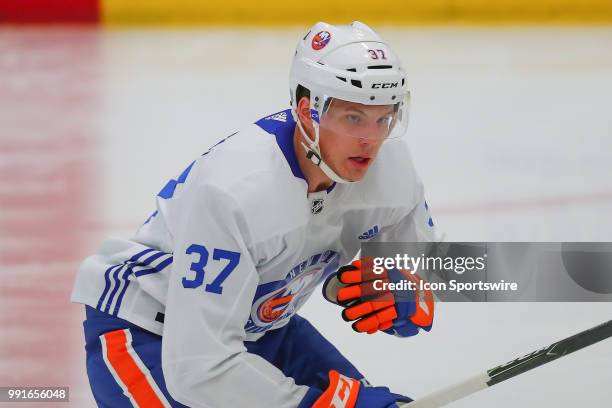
(351, 63)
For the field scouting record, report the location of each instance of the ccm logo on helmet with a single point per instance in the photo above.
(385, 85)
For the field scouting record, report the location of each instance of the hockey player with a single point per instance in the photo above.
(199, 308)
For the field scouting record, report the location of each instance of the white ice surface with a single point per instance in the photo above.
(511, 130)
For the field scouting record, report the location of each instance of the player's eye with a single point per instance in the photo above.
(353, 119)
(384, 121)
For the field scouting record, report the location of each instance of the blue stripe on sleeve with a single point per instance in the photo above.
(153, 258)
(106, 286)
(126, 276)
(116, 278)
(115, 288)
(130, 270)
(154, 269)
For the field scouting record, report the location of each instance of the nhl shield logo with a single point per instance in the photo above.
(317, 206)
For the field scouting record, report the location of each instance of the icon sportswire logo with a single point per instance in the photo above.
(371, 233)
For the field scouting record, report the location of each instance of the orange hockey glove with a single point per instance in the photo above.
(386, 301)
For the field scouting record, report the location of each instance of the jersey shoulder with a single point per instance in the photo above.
(259, 148)
(250, 168)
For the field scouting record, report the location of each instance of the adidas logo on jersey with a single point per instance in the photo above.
(371, 233)
(281, 117)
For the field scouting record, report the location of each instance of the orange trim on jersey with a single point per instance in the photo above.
(128, 371)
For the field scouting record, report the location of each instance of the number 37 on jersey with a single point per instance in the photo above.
(196, 276)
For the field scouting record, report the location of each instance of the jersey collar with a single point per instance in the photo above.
(282, 126)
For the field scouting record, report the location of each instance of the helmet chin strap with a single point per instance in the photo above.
(313, 153)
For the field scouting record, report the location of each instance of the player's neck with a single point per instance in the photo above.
(316, 179)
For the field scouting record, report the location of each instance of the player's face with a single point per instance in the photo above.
(351, 135)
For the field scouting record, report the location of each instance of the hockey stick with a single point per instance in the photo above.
(514, 367)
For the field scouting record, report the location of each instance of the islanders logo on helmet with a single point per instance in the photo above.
(320, 40)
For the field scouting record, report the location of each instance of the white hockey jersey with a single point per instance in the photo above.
(235, 248)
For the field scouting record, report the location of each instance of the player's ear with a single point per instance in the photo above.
(303, 110)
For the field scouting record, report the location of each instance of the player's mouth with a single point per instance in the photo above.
(360, 162)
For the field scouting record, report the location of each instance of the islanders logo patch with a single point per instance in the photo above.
(273, 307)
(320, 40)
(277, 301)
